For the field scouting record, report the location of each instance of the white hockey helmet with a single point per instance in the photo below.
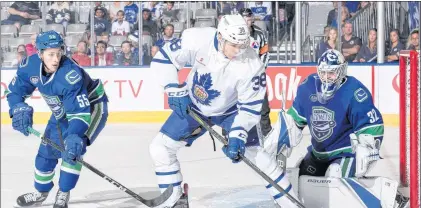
(233, 28)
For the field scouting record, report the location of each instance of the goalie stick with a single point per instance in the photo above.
(148, 202)
(243, 158)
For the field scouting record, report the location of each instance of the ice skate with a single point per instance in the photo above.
(31, 199)
(183, 202)
(62, 198)
(401, 201)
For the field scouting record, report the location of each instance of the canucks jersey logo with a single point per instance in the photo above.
(55, 105)
(322, 123)
(201, 89)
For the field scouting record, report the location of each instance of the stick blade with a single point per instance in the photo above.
(159, 199)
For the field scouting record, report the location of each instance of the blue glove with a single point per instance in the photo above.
(178, 98)
(236, 145)
(22, 117)
(74, 146)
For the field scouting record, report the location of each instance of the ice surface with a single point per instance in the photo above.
(121, 152)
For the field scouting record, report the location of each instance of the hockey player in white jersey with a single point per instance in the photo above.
(226, 87)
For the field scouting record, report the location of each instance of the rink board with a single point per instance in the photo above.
(136, 96)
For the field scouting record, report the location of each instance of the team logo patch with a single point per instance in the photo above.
(201, 89)
(322, 123)
(313, 98)
(351, 42)
(55, 105)
(360, 95)
(73, 77)
(34, 80)
(255, 45)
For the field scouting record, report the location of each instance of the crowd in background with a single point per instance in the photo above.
(116, 30)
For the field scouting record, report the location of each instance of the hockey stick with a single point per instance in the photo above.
(245, 159)
(148, 202)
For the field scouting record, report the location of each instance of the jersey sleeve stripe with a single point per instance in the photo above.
(256, 102)
(164, 54)
(237, 128)
(161, 61)
(250, 111)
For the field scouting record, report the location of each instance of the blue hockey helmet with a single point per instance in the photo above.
(331, 69)
(49, 39)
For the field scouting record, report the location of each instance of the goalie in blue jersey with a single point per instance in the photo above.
(346, 132)
(79, 113)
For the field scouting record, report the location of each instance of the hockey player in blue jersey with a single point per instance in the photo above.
(79, 113)
(346, 134)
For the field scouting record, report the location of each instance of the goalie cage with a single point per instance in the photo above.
(409, 123)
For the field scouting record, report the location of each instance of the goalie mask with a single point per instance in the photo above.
(331, 69)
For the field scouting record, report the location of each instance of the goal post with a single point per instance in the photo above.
(409, 123)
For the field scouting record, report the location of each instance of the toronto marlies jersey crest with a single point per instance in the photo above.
(322, 123)
(201, 89)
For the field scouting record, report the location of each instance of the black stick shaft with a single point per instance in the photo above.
(150, 203)
(245, 159)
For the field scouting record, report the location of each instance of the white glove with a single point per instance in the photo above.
(366, 150)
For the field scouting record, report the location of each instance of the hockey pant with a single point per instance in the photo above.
(47, 157)
(340, 167)
(177, 133)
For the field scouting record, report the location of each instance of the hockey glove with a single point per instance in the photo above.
(236, 145)
(74, 146)
(366, 150)
(178, 98)
(22, 117)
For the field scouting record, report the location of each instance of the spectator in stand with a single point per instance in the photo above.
(80, 56)
(262, 11)
(101, 24)
(350, 43)
(131, 12)
(413, 40)
(21, 54)
(126, 57)
(395, 46)
(167, 37)
(223, 8)
(30, 47)
(149, 26)
(363, 4)
(106, 38)
(332, 42)
(21, 13)
(352, 7)
(59, 13)
(115, 7)
(103, 58)
(169, 14)
(368, 52)
(333, 13)
(344, 17)
(121, 26)
(413, 15)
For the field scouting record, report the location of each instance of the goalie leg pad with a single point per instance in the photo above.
(333, 192)
(163, 151)
(342, 168)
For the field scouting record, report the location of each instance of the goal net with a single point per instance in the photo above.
(409, 123)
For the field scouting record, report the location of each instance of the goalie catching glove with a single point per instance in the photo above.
(366, 150)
